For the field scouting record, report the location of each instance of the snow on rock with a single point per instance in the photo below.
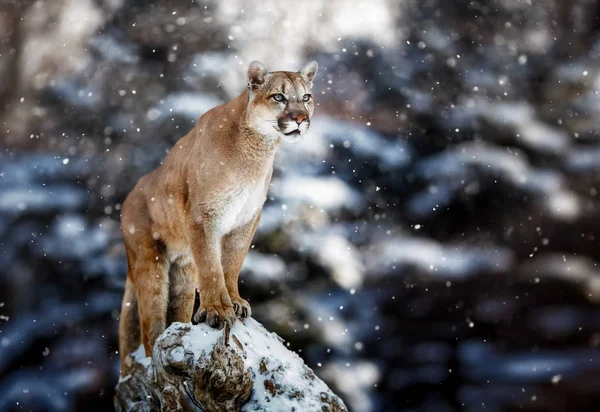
(194, 368)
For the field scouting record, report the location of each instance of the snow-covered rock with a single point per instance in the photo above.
(199, 368)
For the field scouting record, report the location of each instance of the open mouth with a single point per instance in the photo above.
(293, 132)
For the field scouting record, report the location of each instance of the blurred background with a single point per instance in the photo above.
(431, 245)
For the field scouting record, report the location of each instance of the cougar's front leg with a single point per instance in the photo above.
(235, 249)
(215, 305)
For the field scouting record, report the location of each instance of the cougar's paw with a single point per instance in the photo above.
(215, 314)
(241, 307)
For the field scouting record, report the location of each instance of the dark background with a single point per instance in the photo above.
(431, 245)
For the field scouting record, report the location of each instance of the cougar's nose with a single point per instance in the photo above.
(299, 118)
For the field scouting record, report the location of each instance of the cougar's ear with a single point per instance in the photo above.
(257, 74)
(309, 70)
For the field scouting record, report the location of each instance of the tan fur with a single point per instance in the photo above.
(188, 224)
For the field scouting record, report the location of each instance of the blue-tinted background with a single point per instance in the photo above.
(431, 245)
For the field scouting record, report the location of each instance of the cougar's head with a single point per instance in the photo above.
(280, 103)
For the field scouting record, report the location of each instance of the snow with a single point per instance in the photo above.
(264, 354)
(37, 389)
(336, 254)
(42, 200)
(273, 217)
(263, 267)
(577, 270)
(139, 355)
(114, 50)
(583, 160)
(451, 172)
(324, 315)
(518, 119)
(251, 28)
(77, 94)
(383, 153)
(71, 238)
(363, 142)
(539, 136)
(217, 67)
(24, 189)
(343, 144)
(188, 104)
(39, 168)
(200, 339)
(327, 193)
(396, 254)
(261, 345)
(59, 48)
(483, 364)
(25, 329)
(354, 382)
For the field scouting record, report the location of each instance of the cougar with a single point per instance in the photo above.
(188, 224)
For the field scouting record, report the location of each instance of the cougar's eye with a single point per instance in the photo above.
(306, 97)
(278, 97)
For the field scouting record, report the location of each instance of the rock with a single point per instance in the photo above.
(199, 368)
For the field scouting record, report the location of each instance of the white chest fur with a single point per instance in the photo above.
(239, 205)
